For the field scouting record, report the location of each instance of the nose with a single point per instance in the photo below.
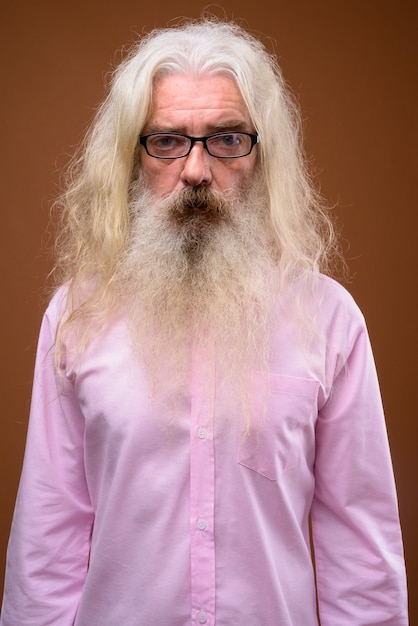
(197, 167)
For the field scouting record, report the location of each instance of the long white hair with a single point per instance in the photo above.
(95, 217)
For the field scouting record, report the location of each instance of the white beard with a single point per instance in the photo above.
(199, 271)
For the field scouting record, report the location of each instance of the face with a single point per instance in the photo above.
(197, 107)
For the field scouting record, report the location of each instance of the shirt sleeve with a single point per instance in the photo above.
(48, 548)
(355, 523)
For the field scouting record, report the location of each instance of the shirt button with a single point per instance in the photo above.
(201, 618)
(202, 433)
(201, 524)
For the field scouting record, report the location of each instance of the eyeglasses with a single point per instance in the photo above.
(177, 146)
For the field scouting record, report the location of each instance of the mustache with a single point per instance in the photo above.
(198, 201)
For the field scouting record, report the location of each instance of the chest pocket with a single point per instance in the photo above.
(282, 430)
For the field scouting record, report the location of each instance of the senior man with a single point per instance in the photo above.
(204, 394)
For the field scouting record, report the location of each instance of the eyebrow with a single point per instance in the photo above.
(217, 127)
(237, 125)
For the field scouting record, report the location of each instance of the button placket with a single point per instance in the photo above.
(202, 476)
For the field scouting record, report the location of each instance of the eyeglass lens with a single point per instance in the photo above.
(219, 145)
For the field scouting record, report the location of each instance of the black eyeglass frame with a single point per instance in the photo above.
(255, 139)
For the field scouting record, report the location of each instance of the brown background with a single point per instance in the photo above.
(352, 66)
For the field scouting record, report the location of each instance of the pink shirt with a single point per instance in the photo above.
(119, 524)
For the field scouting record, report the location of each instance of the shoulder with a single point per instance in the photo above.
(331, 293)
(319, 295)
(57, 305)
(337, 313)
(322, 306)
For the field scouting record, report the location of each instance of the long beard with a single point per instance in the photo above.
(199, 275)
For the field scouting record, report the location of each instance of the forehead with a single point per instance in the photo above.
(181, 102)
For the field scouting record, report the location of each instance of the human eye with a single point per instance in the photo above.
(166, 144)
(228, 140)
(227, 144)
